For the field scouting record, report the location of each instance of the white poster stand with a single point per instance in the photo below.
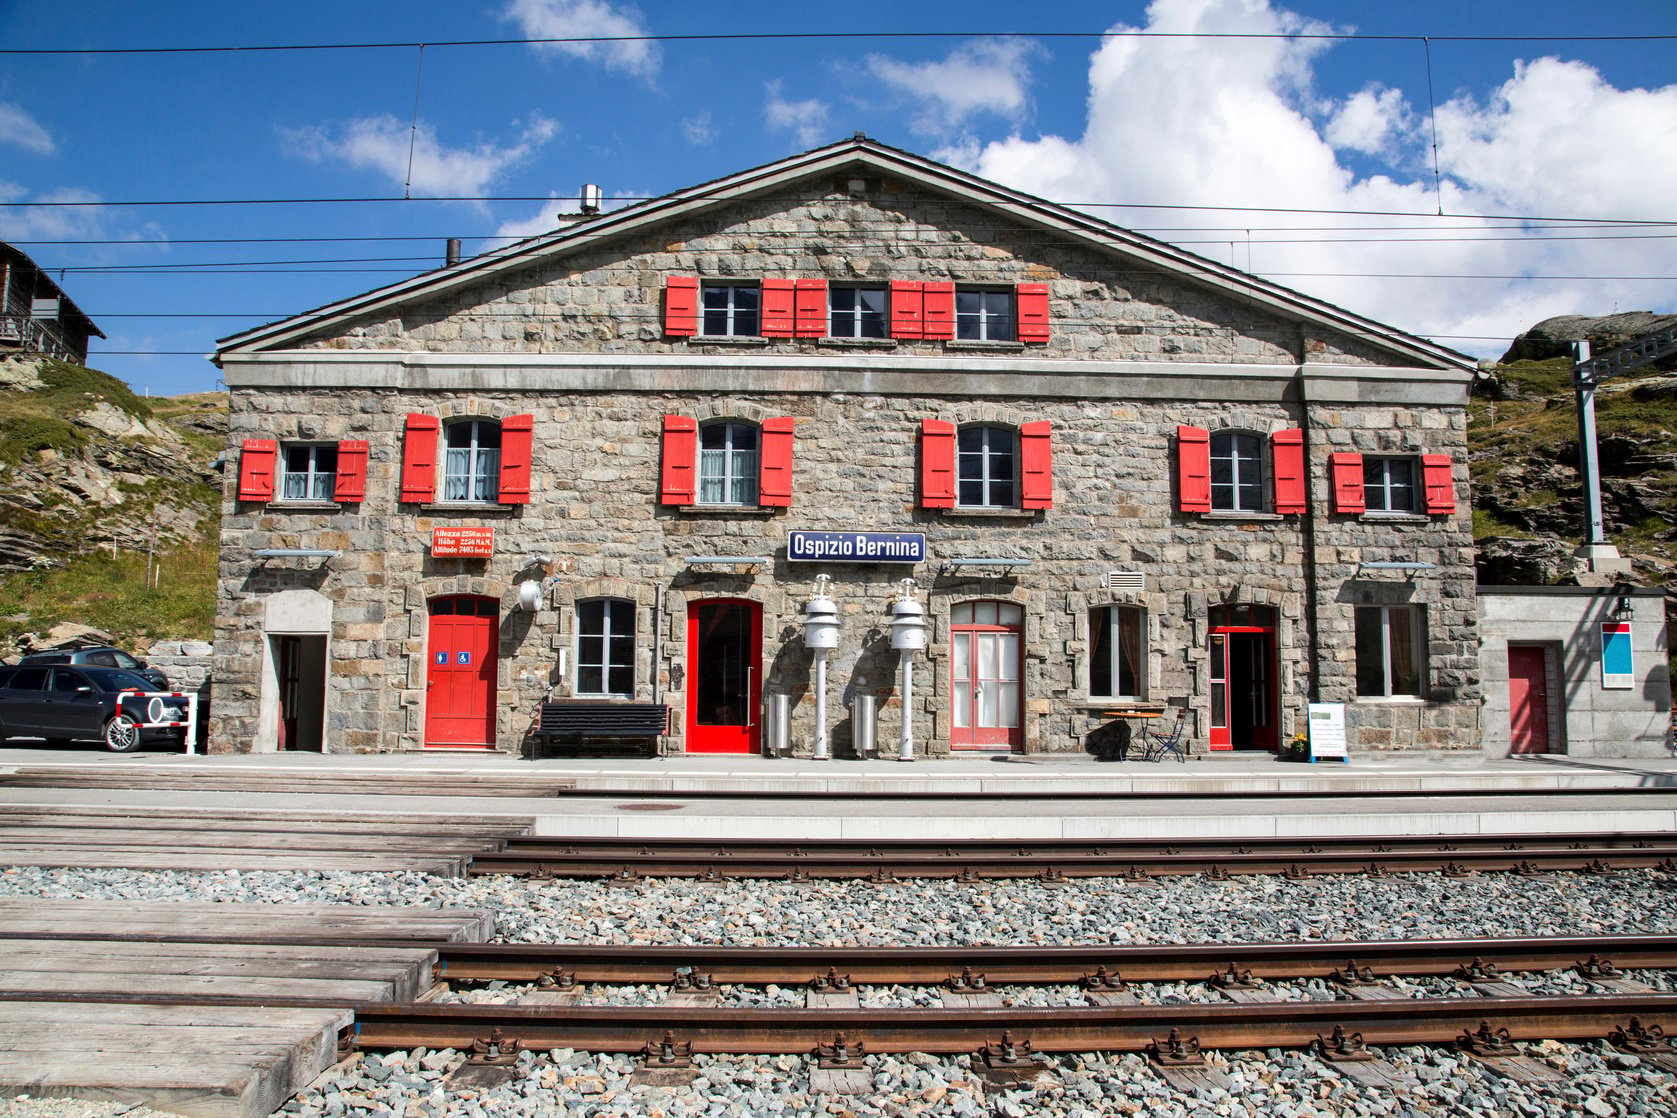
(1327, 732)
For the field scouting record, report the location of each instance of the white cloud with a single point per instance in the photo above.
(588, 19)
(806, 119)
(18, 127)
(1233, 122)
(697, 129)
(382, 144)
(983, 76)
(36, 222)
(544, 220)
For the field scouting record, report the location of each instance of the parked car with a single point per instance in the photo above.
(62, 704)
(101, 656)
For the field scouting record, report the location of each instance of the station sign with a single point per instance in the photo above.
(463, 543)
(855, 547)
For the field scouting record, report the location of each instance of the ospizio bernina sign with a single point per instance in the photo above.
(855, 547)
(463, 543)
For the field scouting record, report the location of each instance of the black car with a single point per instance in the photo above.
(100, 656)
(61, 704)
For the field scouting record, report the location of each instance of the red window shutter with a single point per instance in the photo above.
(1036, 462)
(809, 316)
(681, 306)
(774, 474)
(1193, 469)
(937, 464)
(906, 321)
(778, 300)
(1346, 469)
(1287, 454)
(256, 469)
(937, 310)
(419, 458)
(517, 448)
(351, 483)
(1032, 302)
(681, 449)
(1440, 484)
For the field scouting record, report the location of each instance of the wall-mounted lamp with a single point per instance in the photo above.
(1622, 608)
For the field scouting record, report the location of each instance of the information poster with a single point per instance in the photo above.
(463, 543)
(1327, 732)
(1618, 670)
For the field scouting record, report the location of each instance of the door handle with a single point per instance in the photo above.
(750, 707)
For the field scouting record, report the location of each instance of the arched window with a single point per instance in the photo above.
(1237, 472)
(472, 460)
(987, 462)
(605, 648)
(728, 463)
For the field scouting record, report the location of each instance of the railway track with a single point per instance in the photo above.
(1053, 860)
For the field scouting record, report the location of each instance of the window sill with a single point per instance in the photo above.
(859, 343)
(304, 506)
(1392, 700)
(997, 346)
(992, 514)
(731, 339)
(1260, 517)
(1393, 518)
(763, 511)
(466, 508)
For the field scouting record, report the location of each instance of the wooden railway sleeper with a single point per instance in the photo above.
(497, 1050)
(1638, 1040)
(1597, 967)
(1353, 975)
(1477, 971)
(1486, 1041)
(688, 979)
(1176, 1050)
(832, 980)
(667, 1053)
(557, 979)
(841, 1053)
(1102, 980)
(1342, 1047)
(1233, 979)
(966, 982)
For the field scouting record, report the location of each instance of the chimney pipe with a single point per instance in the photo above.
(590, 198)
(453, 256)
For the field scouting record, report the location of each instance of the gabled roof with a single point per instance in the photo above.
(848, 155)
(42, 285)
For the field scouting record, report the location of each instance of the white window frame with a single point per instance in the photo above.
(1114, 612)
(848, 323)
(986, 323)
(609, 640)
(729, 476)
(1413, 616)
(315, 484)
(989, 478)
(731, 313)
(1377, 493)
(1229, 441)
(472, 473)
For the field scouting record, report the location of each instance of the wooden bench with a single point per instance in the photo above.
(597, 722)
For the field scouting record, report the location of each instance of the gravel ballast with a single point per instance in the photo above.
(1597, 1081)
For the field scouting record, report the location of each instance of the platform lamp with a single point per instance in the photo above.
(821, 636)
(908, 636)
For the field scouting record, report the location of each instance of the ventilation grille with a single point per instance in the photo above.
(1126, 580)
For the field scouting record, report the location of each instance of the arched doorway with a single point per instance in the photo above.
(460, 679)
(985, 685)
(1243, 695)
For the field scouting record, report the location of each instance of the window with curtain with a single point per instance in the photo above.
(311, 472)
(1390, 651)
(472, 461)
(1115, 653)
(728, 464)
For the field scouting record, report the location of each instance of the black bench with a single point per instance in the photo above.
(597, 722)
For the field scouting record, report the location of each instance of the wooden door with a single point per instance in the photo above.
(1528, 699)
(985, 683)
(460, 682)
(725, 688)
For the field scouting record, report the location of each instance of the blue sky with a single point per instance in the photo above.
(1560, 128)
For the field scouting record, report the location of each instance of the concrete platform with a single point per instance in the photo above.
(999, 797)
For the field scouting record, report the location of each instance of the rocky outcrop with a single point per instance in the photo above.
(1553, 337)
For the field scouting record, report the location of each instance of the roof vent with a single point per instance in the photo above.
(452, 255)
(1126, 580)
(590, 198)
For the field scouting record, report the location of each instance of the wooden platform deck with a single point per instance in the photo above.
(77, 979)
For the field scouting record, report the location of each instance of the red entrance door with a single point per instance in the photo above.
(1528, 699)
(1243, 677)
(984, 684)
(725, 688)
(460, 685)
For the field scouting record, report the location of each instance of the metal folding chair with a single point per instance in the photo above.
(1158, 744)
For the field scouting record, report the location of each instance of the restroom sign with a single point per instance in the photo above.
(463, 542)
(442, 658)
(462, 657)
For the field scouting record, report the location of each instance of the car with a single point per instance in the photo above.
(64, 703)
(101, 656)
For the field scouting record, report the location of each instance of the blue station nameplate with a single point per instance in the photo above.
(855, 547)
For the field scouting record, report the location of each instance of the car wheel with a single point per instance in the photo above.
(122, 734)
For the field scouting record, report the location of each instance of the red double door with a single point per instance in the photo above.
(460, 682)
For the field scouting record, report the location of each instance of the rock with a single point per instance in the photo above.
(1553, 337)
(1510, 561)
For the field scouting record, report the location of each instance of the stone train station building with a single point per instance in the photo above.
(609, 463)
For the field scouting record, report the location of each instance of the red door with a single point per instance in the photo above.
(725, 680)
(1528, 699)
(1243, 695)
(460, 684)
(985, 688)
